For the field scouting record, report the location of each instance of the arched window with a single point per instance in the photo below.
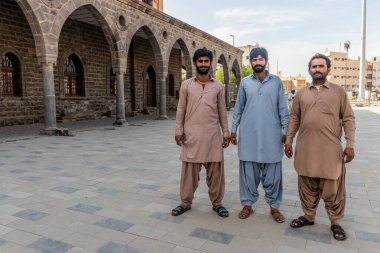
(73, 77)
(10, 82)
(112, 82)
(171, 85)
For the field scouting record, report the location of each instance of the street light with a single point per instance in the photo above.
(233, 39)
(347, 45)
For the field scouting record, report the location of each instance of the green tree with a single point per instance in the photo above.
(246, 71)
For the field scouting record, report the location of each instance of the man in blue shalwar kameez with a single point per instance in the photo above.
(261, 113)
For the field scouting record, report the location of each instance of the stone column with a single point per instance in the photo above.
(120, 101)
(227, 89)
(50, 124)
(163, 98)
(227, 95)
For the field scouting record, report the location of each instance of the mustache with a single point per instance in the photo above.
(318, 73)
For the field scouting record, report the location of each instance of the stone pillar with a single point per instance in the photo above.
(120, 101)
(163, 98)
(50, 124)
(227, 96)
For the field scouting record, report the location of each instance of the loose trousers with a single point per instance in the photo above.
(333, 193)
(270, 175)
(190, 180)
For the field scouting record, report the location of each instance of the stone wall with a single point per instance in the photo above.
(16, 37)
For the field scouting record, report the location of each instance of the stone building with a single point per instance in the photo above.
(292, 82)
(345, 72)
(87, 59)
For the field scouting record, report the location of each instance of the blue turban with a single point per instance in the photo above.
(258, 51)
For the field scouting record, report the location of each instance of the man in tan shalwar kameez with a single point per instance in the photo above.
(201, 118)
(319, 112)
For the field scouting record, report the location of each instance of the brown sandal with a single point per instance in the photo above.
(245, 212)
(277, 215)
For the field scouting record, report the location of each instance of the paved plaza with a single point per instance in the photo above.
(111, 190)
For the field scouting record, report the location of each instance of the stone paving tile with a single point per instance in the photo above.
(112, 247)
(20, 237)
(114, 224)
(180, 249)
(368, 236)
(46, 245)
(32, 215)
(149, 187)
(211, 235)
(172, 196)
(151, 245)
(18, 171)
(167, 217)
(30, 178)
(2, 242)
(64, 189)
(84, 208)
(308, 235)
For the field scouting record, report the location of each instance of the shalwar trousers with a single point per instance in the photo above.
(190, 180)
(270, 175)
(333, 193)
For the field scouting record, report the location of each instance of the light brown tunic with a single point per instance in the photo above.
(319, 117)
(201, 114)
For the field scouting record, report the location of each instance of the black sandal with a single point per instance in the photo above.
(179, 210)
(221, 211)
(338, 232)
(300, 222)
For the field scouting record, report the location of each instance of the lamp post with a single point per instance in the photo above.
(362, 79)
(233, 39)
(347, 45)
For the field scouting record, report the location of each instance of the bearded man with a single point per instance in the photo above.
(319, 112)
(200, 122)
(261, 113)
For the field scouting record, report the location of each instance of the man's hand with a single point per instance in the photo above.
(180, 139)
(226, 142)
(233, 138)
(348, 155)
(288, 150)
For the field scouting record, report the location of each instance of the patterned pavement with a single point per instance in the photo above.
(111, 189)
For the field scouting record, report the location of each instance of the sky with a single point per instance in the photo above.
(291, 30)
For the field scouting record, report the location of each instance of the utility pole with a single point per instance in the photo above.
(362, 79)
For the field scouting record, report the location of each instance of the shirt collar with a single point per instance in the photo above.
(269, 76)
(326, 84)
(211, 78)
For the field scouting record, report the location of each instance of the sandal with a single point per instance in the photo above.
(338, 232)
(179, 210)
(245, 212)
(300, 222)
(221, 211)
(277, 216)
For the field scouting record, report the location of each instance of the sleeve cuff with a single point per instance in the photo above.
(233, 129)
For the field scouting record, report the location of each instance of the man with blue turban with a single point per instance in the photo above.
(261, 114)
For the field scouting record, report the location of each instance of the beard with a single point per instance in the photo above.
(318, 76)
(258, 68)
(203, 70)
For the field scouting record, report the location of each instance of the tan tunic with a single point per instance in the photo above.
(201, 114)
(319, 117)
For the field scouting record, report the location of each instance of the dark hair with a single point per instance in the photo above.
(258, 51)
(320, 56)
(201, 53)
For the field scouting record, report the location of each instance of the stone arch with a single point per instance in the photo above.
(148, 30)
(221, 59)
(186, 53)
(99, 13)
(34, 17)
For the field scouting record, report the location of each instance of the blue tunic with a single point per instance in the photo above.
(261, 110)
